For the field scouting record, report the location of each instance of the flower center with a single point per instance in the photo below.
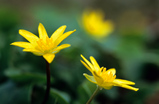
(45, 45)
(107, 76)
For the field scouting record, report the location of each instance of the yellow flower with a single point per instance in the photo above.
(104, 78)
(94, 23)
(43, 45)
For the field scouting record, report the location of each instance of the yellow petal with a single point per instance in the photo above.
(90, 78)
(128, 87)
(108, 27)
(62, 47)
(86, 66)
(94, 62)
(64, 36)
(87, 62)
(49, 57)
(98, 79)
(37, 53)
(121, 81)
(33, 50)
(29, 36)
(95, 24)
(22, 44)
(107, 86)
(58, 32)
(42, 32)
(112, 70)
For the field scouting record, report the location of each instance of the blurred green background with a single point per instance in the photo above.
(132, 48)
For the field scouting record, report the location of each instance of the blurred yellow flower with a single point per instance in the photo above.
(104, 78)
(43, 45)
(94, 23)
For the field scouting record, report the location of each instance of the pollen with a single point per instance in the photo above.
(45, 46)
(107, 77)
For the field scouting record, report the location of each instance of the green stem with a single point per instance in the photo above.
(93, 95)
(48, 83)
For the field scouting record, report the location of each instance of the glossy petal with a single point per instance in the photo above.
(128, 87)
(42, 32)
(37, 53)
(98, 78)
(108, 86)
(22, 44)
(121, 81)
(87, 62)
(61, 47)
(112, 70)
(58, 32)
(49, 57)
(94, 62)
(31, 50)
(64, 36)
(90, 78)
(86, 66)
(29, 36)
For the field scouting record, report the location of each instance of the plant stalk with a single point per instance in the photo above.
(93, 95)
(48, 83)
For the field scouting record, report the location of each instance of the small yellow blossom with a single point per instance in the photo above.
(95, 25)
(104, 78)
(43, 45)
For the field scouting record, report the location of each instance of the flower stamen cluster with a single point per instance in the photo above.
(45, 47)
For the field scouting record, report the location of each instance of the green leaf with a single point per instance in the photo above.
(55, 96)
(61, 97)
(26, 77)
(12, 94)
(131, 52)
(85, 90)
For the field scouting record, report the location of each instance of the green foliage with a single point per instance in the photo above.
(26, 77)
(132, 51)
(56, 96)
(13, 94)
(9, 18)
(60, 97)
(85, 90)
